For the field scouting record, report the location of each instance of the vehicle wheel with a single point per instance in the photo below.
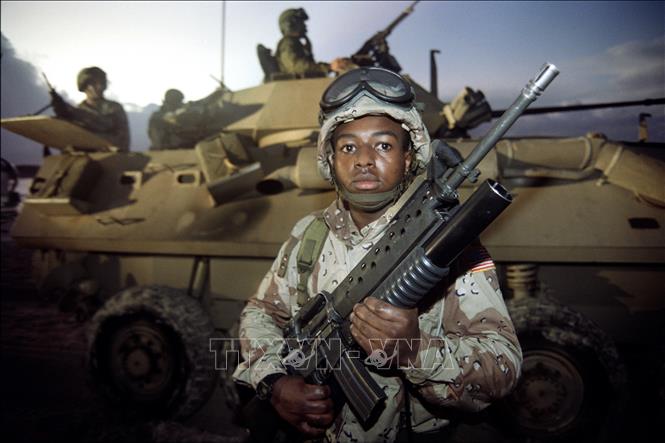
(149, 352)
(572, 384)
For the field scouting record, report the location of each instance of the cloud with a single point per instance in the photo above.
(23, 93)
(633, 70)
(616, 124)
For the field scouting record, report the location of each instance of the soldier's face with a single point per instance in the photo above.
(299, 28)
(95, 89)
(371, 154)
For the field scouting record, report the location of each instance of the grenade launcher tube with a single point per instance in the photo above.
(425, 266)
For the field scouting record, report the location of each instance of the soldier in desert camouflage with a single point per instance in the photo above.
(162, 132)
(294, 50)
(103, 117)
(371, 145)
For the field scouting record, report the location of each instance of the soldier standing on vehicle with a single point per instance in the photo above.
(372, 143)
(160, 131)
(294, 50)
(103, 117)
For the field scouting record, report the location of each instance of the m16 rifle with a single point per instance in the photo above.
(57, 102)
(427, 234)
(375, 51)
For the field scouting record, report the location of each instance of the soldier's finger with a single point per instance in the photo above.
(370, 334)
(372, 327)
(385, 310)
(362, 314)
(358, 336)
(318, 407)
(316, 392)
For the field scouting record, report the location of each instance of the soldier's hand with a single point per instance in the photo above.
(308, 408)
(59, 105)
(341, 65)
(378, 325)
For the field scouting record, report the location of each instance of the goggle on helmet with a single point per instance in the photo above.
(370, 91)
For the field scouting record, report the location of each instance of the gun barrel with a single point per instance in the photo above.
(472, 218)
(425, 266)
(48, 83)
(533, 89)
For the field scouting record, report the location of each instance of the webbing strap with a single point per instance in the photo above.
(310, 248)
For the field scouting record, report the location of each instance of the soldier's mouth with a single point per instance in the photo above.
(366, 183)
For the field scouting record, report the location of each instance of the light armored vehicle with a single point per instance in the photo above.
(160, 249)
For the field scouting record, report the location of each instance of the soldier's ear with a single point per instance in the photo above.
(408, 158)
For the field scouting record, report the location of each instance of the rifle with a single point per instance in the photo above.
(375, 51)
(428, 232)
(57, 102)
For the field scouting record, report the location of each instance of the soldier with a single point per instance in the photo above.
(371, 144)
(160, 130)
(104, 117)
(294, 50)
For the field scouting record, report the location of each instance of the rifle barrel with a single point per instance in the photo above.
(552, 109)
(533, 89)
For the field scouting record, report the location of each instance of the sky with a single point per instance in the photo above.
(606, 51)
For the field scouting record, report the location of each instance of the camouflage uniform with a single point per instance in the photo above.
(295, 57)
(473, 357)
(163, 133)
(162, 130)
(107, 119)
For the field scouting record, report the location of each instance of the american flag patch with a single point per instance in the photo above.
(476, 259)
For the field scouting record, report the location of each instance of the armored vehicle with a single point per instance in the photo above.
(159, 249)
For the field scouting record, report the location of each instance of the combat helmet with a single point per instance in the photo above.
(86, 75)
(371, 91)
(289, 19)
(173, 97)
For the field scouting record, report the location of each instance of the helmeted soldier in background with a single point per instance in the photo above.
(161, 132)
(103, 117)
(372, 144)
(294, 50)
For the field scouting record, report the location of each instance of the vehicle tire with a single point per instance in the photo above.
(572, 385)
(149, 353)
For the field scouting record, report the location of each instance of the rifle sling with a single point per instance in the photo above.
(310, 249)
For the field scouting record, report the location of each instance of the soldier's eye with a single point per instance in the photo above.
(347, 148)
(384, 146)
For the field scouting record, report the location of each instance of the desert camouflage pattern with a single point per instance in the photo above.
(473, 355)
(295, 57)
(107, 119)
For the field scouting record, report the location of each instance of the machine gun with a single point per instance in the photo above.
(428, 232)
(375, 51)
(57, 102)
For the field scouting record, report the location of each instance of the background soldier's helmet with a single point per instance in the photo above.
(363, 103)
(88, 75)
(290, 19)
(173, 97)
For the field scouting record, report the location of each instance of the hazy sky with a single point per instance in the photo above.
(606, 51)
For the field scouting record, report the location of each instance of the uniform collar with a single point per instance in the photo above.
(341, 224)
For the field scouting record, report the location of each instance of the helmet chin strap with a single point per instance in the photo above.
(370, 202)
